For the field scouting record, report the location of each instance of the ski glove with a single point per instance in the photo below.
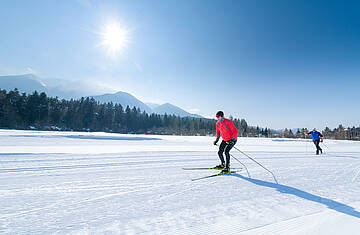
(217, 139)
(232, 141)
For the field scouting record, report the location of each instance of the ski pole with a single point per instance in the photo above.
(257, 163)
(306, 142)
(240, 163)
(326, 146)
(330, 152)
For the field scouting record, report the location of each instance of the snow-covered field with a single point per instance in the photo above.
(99, 183)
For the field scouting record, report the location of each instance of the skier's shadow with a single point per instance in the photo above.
(331, 204)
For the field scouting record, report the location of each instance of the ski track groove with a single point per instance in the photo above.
(90, 200)
(344, 172)
(357, 173)
(72, 167)
(283, 226)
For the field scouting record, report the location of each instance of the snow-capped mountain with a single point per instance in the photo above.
(152, 105)
(172, 109)
(24, 83)
(28, 83)
(124, 99)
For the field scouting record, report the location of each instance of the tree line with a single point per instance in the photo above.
(38, 111)
(338, 133)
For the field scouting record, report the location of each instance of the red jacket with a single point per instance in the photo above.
(226, 129)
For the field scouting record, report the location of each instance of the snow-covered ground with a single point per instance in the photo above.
(99, 183)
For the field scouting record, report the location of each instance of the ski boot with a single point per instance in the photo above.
(221, 166)
(225, 170)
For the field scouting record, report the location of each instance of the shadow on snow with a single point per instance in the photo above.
(331, 204)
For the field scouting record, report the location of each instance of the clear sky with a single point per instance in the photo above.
(275, 63)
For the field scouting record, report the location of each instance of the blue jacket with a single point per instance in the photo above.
(315, 135)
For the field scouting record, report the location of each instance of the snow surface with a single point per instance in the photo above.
(100, 183)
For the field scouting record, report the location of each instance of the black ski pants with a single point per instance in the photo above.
(225, 147)
(317, 142)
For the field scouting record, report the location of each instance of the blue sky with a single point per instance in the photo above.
(275, 63)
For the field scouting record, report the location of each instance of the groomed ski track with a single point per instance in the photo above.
(99, 183)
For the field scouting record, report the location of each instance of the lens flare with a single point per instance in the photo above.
(115, 38)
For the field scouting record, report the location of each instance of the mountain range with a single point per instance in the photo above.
(28, 83)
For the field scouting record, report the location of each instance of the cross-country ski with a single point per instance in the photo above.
(208, 168)
(210, 176)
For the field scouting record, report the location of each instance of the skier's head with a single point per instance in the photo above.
(219, 115)
(314, 129)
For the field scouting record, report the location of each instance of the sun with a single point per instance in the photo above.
(115, 38)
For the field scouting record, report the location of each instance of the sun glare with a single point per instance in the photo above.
(115, 38)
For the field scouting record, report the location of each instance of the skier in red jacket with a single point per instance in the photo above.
(229, 133)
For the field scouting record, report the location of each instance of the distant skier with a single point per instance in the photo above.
(227, 130)
(317, 137)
